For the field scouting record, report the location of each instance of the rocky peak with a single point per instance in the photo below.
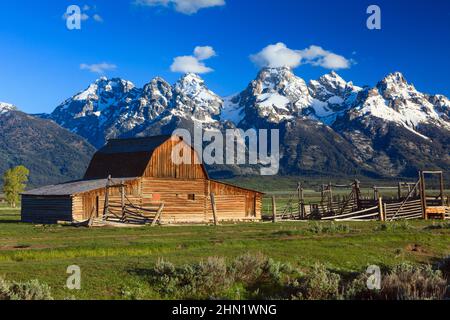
(332, 85)
(157, 87)
(396, 86)
(281, 80)
(193, 98)
(6, 107)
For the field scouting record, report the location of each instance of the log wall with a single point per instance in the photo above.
(46, 210)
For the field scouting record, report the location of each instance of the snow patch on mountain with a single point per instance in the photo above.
(6, 107)
(395, 100)
(232, 111)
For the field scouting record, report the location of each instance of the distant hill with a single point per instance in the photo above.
(52, 153)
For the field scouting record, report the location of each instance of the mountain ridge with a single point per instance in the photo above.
(52, 153)
(327, 125)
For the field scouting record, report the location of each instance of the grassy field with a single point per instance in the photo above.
(110, 258)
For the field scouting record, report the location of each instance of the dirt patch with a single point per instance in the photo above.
(416, 248)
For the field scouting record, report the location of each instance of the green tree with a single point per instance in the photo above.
(14, 183)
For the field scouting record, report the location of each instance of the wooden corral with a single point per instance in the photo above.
(129, 178)
(412, 202)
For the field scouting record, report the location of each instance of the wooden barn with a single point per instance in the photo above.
(135, 177)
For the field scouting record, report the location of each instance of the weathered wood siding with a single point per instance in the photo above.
(46, 210)
(184, 200)
(234, 203)
(162, 166)
(93, 202)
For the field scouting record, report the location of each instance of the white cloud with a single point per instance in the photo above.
(279, 55)
(317, 56)
(189, 64)
(183, 6)
(193, 63)
(97, 18)
(99, 68)
(204, 53)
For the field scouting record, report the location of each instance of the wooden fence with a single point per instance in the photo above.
(369, 214)
(403, 210)
(369, 211)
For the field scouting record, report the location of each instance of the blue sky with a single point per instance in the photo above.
(40, 58)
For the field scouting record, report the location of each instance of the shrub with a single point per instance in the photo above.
(409, 282)
(358, 290)
(395, 226)
(31, 290)
(444, 266)
(249, 276)
(439, 226)
(315, 227)
(254, 276)
(403, 282)
(332, 227)
(205, 280)
(319, 284)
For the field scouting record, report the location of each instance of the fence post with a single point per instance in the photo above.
(122, 198)
(381, 209)
(214, 208)
(423, 194)
(274, 209)
(106, 205)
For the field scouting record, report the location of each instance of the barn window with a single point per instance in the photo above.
(191, 197)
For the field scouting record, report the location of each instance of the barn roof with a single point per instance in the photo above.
(72, 188)
(124, 157)
(134, 145)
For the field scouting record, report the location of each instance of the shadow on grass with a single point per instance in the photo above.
(10, 221)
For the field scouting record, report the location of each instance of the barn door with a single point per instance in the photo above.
(250, 206)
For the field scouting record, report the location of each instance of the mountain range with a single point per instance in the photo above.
(328, 126)
(52, 153)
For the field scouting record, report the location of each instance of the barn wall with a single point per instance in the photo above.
(234, 203)
(162, 166)
(93, 202)
(174, 193)
(47, 210)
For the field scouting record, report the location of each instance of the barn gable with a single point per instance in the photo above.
(143, 157)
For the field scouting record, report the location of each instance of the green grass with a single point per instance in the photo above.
(108, 257)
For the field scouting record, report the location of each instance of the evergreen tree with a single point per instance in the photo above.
(14, 183)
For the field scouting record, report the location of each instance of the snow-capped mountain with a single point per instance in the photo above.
(113, 108)
(109, 108)
(193, 102)
(397, 129)
(395, 100)
(278, 95)
(327, 125)
(6, 107)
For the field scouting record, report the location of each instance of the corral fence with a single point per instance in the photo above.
(412, 203)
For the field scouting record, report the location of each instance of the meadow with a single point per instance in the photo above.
(111, 259)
